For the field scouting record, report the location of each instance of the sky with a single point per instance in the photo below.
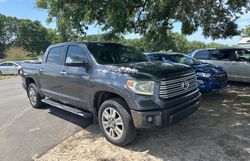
(26, 9)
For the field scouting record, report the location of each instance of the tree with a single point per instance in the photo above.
(8, 27)
(32, 36)
(216, 45)
(194, 45)
(246, 31)
(216, 18)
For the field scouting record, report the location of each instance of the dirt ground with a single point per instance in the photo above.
(219, 130)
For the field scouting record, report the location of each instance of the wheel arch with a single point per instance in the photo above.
(102, 96)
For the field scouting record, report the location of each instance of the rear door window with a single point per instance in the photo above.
(202, 54)
(55, 55)
(223, 54)
(242, 55)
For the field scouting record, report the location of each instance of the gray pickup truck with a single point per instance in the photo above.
(114, 84)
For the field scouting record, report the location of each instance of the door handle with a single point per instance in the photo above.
(41, 70)
(63, 72)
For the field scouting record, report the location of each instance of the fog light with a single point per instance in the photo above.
(150, 119)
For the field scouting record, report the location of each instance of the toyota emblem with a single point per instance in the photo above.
(185, 85)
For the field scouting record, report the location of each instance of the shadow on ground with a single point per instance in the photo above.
(70, 117)
(219, 130)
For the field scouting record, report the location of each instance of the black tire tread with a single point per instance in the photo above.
(130, 132)
(39, 103)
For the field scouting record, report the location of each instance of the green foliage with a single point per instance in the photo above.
(193, 45)
(8, 26)
(246, 31)
(216, 45)
(30, 35)
(217, 19)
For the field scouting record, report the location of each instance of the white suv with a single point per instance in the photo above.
(236, 61)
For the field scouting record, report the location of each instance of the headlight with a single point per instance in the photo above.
(201, 74)
(141, 87)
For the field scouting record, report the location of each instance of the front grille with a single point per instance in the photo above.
(178, 86)
(220, 77)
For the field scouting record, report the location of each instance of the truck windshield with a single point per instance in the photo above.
(110, 53)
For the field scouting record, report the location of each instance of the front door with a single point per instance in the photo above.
(221, 58)
(75, 77)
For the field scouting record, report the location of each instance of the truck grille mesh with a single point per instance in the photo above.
(178, 86)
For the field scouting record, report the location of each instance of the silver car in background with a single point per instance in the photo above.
(10, 67)
(236, 61)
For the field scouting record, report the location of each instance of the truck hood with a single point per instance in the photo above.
(153, 69)
(208, 68)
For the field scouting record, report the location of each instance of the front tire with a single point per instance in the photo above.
(34, 97)
(116, 122)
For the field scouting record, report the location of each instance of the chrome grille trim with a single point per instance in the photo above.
(173, 87)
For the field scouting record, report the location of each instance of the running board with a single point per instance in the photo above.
(68, 108)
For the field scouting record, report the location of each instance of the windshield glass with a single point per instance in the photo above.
(178, 58)
(109, 53)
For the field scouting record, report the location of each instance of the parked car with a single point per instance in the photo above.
(10, 67)
(236, 61)
(116, 84)
(209, 77)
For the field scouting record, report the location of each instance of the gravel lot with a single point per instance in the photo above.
(219, 130)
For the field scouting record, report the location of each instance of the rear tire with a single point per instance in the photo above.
(1, 73)
(34, 96)
(116, 122)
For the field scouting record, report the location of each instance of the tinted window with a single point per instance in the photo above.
(109, 53)
(242, 55)
(202, 54)
(156, 57)
(76, 54)
(223, 55)
(4, 64)
(178, 58)
(55, 55)
(12, 64)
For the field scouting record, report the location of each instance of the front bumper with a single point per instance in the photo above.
(210, 84)
(166, 117)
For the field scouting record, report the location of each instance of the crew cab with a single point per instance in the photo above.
(114, 84)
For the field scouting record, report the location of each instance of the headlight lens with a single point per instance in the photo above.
(141, 87)
(201, 74)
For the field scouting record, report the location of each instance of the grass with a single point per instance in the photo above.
(6, 76)
(17, 54)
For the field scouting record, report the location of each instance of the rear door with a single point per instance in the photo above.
(240, 66)
(75, 78)
(222, 57)
(13, 68)
(50, 72)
